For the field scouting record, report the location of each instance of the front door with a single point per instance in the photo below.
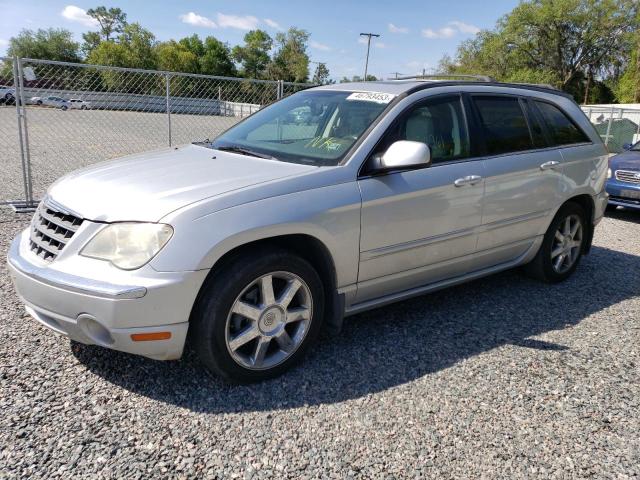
(419, 226)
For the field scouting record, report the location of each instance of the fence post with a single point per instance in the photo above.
(606, 138)
(168, 102)
(23, 116)
(19, 118)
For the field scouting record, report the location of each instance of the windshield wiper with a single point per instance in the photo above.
(244, 151)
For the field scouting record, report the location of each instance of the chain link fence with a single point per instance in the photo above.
(64, 116)
(617, 126)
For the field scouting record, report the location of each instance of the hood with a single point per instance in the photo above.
(146, 187)
(628, 160)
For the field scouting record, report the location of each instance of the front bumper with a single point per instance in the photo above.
(107, 313)
(619, 193)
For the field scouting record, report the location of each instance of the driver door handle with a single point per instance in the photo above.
(468, 180)
(549, 165)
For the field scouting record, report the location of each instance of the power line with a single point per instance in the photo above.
(366, 63)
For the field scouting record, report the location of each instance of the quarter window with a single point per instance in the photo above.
(504, 124)
(561, 129)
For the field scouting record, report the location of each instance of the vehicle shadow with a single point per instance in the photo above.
(390, 346)
(625, 214)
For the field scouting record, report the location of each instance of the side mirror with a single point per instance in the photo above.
(627, 146)
(403, 154)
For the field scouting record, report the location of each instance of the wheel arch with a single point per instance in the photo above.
(306, 246)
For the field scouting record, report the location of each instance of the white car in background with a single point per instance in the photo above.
(79, 104)
(52, 101)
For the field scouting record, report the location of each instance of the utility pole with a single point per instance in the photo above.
(396, 74)
(366, 64)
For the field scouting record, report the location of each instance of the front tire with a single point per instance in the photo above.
(562, 246)
(257, 316)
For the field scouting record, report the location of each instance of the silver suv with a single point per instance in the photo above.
(327, 203)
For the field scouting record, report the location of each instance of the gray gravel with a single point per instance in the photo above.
(500, 378)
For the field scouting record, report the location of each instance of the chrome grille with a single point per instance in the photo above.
(628, 176)
(51, 230)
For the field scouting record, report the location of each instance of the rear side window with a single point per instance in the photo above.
(560, 127)
(504, 124)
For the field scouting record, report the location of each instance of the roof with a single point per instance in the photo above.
(397, 87)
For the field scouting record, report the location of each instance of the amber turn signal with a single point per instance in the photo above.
(146, 337)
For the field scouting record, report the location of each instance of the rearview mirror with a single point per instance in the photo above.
(403, 154)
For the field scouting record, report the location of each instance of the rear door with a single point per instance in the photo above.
(523, 176)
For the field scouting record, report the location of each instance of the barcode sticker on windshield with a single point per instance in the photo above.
(371, 97)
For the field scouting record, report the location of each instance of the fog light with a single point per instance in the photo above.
(94, 330)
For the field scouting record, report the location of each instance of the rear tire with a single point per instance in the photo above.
(562, 246)
(244, 326)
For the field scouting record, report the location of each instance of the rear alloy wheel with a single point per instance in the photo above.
(561, 247)
(256, 316)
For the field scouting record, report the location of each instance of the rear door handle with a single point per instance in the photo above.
(468, 180)
(549, 165)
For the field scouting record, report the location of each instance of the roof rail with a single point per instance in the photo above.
(434, 76)
(544, 85)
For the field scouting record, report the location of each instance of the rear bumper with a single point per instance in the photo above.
(107, 314)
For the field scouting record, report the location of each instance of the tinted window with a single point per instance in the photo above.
(504, 124)
(537, 132)
(561, 129)
(440, 124)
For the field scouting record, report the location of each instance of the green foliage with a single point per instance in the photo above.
(290, 61)
(175, 57)
(566, 43)
(50, 44)
(254, 55)
(216, 59)
(358, 78)
(134, 48)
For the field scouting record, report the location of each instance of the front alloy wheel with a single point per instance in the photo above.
(269, 320)
(257, 314)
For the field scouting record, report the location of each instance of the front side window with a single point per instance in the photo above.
(439, 123)
(561, 129)
(315, 127)
(504, 124)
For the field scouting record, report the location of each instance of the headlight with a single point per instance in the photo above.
(128, 245)
(608, 173)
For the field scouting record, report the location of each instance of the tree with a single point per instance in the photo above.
(321, 75)
(135, 47)
(567, 43)
(175, 57)
(358, 78)
(290, 61)
(50, 44)
(111, 21)
(254, 55)
(216, 59)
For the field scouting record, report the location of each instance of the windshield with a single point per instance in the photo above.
(313, 127)
(636, 147)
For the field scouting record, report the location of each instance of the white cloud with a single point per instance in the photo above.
(247, 22)
(450, 30)
(395, 29)
(444, 32)
(362, 40)
(272, 23)
(380, 45)
(197, 20)
(78, 15)
(3, 42)
(464, 27)
(319, 46)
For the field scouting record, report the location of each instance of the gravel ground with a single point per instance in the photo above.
(500, 378)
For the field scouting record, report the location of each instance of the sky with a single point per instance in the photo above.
(414, 34)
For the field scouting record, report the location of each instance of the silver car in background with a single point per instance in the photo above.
(332, 201)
